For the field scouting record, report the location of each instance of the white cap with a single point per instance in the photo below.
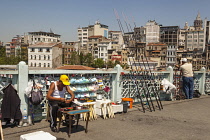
(184, 59)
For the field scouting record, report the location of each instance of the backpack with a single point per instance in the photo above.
(36, 95)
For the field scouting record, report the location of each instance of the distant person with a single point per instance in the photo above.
(187, 78)
(57, 100)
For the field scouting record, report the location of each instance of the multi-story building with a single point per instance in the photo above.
(117, 39)
(45, 37)
(13, 48)
(45, 55)
(1, 44)
(157, 52)
(169, 35)
(140, 34)
(97, 29)
(152, 31)
(68, 48)
(103, 47)
(207, 42)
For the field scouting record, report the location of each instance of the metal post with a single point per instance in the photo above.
(171, 72)
(170, 78)
(202, 81)
(117, 89)
(22, 84)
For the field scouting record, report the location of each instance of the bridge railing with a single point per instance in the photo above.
(122, 83)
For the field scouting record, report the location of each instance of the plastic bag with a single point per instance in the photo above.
(168, 87)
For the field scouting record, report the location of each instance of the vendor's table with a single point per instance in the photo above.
(71, 114)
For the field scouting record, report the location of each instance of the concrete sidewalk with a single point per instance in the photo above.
(179, 120)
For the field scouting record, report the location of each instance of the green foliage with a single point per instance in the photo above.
(12, 60)
(98, 63)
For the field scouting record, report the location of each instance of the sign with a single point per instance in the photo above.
(116, 57)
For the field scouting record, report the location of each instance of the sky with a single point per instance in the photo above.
(63, 17)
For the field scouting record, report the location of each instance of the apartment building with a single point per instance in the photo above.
(140, 34)
(13, 48)
(68, 49)
(103, 47)
(97, 29)
(169, 35)
(117, 39)
(152, 31)
(157, 52)
(45, 37)
(45, 55)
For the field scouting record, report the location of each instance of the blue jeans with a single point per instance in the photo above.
(188, 84)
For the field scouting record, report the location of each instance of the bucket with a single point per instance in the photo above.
(130, 100)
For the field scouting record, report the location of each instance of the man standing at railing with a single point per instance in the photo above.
(187, 78)
(56, 98)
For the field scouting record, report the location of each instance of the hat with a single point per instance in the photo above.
(64, 79)
(184, 59)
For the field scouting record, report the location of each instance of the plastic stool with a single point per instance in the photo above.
(129, 100)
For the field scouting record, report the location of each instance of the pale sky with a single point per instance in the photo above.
(63, 17)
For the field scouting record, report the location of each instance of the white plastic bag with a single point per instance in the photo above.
(168, 87)
(28, 89)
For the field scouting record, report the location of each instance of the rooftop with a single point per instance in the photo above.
(75, 67)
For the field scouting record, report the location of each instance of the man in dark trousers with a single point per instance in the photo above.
(56, 98)
(187, 78)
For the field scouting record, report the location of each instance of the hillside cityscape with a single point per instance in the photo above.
(97, 46)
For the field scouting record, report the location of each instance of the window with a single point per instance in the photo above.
(39, 64)
(31, 57)
(31, 64)
(48, 57)
(32, 49)
(34, 57)
(44, 57)
(40, 49)
(34, 64)
(44, 64)
(47, 50)
(48, 65)
(39, 57)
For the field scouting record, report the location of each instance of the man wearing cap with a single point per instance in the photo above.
(56, 98)
(187, 78)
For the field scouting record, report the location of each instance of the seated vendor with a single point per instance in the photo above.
(57, 100)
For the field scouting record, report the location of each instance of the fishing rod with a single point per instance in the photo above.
(125, 21)
(136, 83)
(118, 20)
(121, 29)
(147, 93)
(147, 74)
(143, 51)
(145, 83)
(154, 90)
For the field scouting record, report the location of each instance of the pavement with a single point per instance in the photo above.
(178, 120)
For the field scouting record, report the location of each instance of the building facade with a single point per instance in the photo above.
(45, 55)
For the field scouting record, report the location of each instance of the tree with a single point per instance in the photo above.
(98, 63)
(88, 59)
(110, 64)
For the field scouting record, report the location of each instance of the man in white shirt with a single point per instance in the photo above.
(187, 78)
